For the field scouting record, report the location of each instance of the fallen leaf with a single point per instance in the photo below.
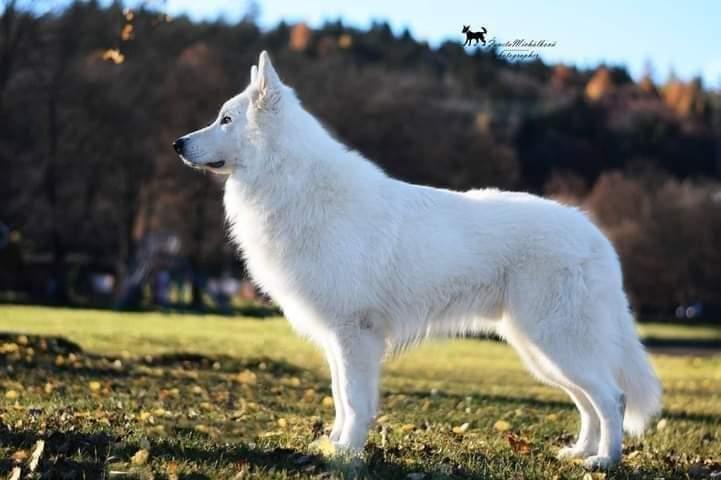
(282, 422)
(172, 470)
(6, 348)
(461, 429)
(11, 394)
(501, 426)
(94, 386)
(246, 377)
(408, 427)
(309, 396)
(327, 402)
(518, 444)
(19, 456)
(140, 457)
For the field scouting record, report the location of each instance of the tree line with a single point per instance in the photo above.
(92, 96)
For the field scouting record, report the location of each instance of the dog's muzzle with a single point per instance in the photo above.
(178, 147)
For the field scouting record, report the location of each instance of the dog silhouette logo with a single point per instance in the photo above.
(471, 35)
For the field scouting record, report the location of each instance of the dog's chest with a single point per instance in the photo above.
(282, 255)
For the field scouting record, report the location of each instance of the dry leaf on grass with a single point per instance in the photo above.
(19, 456)
(501, 426)
(246, 377)
(309, 396)
(141, 457)
(518, 444)
(461, 429)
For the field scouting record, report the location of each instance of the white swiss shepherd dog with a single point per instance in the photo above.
(364, 264)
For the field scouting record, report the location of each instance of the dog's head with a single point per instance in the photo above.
(466, 28)
(244, 126)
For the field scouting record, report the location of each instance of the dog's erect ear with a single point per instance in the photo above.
(268, 83)
(253, 73)
(267, 78)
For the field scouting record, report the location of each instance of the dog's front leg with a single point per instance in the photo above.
(358, 352)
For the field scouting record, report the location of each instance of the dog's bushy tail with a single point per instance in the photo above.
(638, 381)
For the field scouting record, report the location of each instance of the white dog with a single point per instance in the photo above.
(364, 264)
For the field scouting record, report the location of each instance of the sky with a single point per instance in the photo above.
(683, 37)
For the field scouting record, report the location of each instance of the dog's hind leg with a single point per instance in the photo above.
(358, 352)
(580, 370)
(337, 395)
(588, 437)
(609, 402)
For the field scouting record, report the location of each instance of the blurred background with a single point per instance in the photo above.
(617, 111)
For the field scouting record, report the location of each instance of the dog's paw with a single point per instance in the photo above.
(598, 462)
(569, 453)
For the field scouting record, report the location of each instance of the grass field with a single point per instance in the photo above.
(186, 396)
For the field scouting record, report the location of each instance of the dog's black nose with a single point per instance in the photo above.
(178, 145)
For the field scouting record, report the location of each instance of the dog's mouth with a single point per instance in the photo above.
(200, 166)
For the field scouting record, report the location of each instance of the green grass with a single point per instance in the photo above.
(252, 397)
(680, 331)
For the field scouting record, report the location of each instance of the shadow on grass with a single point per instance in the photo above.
(91, 455)
(483, 397)
(50, 354)
(539, 403)
(66, 454)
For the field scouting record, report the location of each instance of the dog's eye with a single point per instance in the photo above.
(225, 120)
